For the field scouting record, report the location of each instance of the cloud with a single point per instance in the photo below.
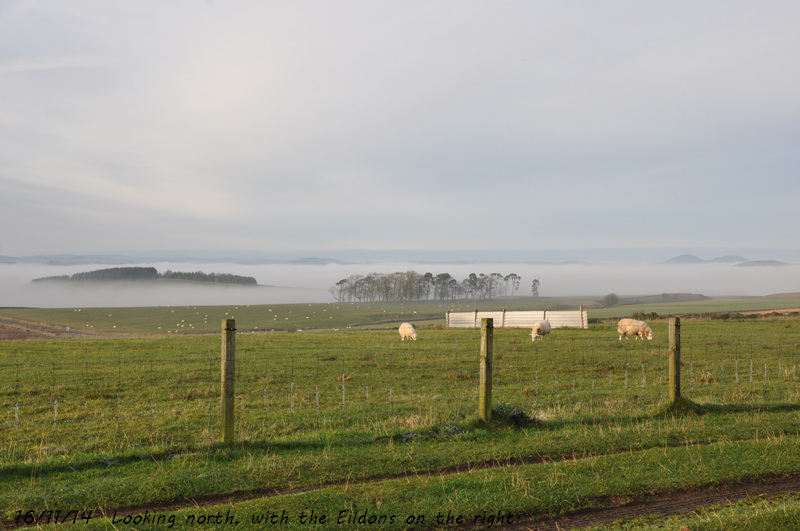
(362, 120)
(38, 64)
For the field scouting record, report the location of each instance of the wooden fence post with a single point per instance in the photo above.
(674, 359)
(228, 378)
(487, 360)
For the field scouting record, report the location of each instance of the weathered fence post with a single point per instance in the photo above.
(674, 359)
(487, 360)
(228, 378)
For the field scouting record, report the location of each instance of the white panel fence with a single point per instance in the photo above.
(520, 319)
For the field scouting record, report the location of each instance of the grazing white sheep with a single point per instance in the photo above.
(540, 329)
(407, 331)
(632, 327)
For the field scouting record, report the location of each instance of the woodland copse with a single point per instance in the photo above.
(150, 273)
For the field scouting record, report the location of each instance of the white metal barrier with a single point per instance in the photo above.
(520, 319)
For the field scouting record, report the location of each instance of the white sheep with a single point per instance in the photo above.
(540, 329)
(407, 331)
(632, 327)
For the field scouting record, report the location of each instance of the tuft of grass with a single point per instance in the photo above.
(680, 407)
(513, 415)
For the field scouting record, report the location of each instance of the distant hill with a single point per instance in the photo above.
(762, 263)
(692, 259)
(114, 259)
(737, 261)
(684, 259)
(70, 259)
(730, 258)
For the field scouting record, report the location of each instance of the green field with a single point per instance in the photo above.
(206, 319)
(334, 413)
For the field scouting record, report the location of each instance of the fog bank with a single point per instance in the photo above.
(308, 283)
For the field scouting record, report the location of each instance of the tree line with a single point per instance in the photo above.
(150, 273)
(199, 276)
(413, 286)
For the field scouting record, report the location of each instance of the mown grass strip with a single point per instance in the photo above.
(484, 498)
(117, 481)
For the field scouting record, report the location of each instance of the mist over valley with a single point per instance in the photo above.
(301, 280)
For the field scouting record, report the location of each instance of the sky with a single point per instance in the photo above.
(274, 126)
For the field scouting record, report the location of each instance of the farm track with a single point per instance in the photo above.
(604, 511)
(13, 329)
(667, 503)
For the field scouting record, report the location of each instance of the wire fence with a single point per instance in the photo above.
(106, 406)
(69, 396)
(593, 389)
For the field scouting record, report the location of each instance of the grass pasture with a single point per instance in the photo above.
(354, 420)
(188, 320)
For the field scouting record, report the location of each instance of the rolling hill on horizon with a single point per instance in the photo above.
(692, 259)
(738, 261)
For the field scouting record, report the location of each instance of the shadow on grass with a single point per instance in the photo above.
(745, 408)
(509, 416)
(504, 417)
(94, 461)
(99, 461)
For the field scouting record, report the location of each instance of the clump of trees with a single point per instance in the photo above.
(610, 300)
(112, 273)
(199, 276)
(150, 273)
(413, 286)
(644, 316)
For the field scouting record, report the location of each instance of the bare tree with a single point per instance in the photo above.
(339, 290)
(514, 279)
(495, 279)
(441, 285)
(410, 286)
(426, 284)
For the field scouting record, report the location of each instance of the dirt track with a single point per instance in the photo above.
(606, 511)
(12, 330)
(10, 333)
(667, 503)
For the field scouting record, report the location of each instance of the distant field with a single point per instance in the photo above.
(716, 305)
(206, 319)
